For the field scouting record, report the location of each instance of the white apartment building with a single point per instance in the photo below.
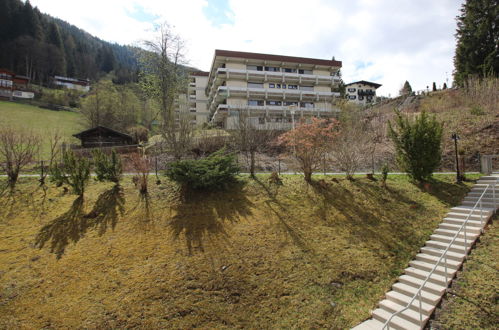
(197, 99)
(275, 90)
(361, 92)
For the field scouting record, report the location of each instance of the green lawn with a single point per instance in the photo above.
(254, 256)
(41, 121)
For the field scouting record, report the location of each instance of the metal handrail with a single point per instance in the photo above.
(444, 255)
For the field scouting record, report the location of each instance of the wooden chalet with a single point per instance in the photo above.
(100, 136)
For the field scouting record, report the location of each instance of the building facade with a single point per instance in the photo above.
(14, 86)
(72, 83)
(361, 92)
(197, 99)
(274, 90)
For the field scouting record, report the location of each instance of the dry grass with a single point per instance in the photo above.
(472, 300)
(255, 256)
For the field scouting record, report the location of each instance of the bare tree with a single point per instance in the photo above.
(55, 144)
(164, 78)
(250, 139)
(352, 143)
(17, 149)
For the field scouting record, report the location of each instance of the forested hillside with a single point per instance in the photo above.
(40, 46)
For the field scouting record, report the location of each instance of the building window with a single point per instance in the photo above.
(255, 85)
(284, 86)
(351, 90)
(261, 120)
(307, 88)
(274, 103)
(254, 67)
(255, 102)
(272, 69)
(289, 70)
(271, 85)
(361, 98)
(308, 105)
(352, 97)
(302, 71)
(288, 103)
(292, 86)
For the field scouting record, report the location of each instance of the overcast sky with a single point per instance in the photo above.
(384, 41)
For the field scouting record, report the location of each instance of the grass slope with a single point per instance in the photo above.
(472, 302)
(41, 121)
(256, 256)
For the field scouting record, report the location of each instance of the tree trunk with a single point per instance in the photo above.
(308, 174)
(252, 164)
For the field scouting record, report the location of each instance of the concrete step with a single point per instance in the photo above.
(423, 274)
(437, 289)
(485, 200)
(426, 266)
(455, 228)
(410, 291)
(403, 300)
(473, 216)
(434, 259)
(396, 322)
(469, 209)
(443, 246)
(451, 232)
(411, 315)
(371, 324)
(457, 256)
(470, 223)
(479, 206)
(458, 241)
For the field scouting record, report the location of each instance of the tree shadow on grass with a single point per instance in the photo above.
(282, 215)
(364, 225)
(72, 225)
(203, 215)
(451, 194)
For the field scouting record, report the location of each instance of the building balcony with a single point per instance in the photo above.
(223, 110)
(224, 92)
(367, 92)
(223, 74)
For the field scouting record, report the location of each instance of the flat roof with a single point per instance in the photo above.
(278, 58)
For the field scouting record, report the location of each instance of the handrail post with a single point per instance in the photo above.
(420, 309)
(446, 279)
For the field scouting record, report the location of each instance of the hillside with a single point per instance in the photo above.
(41, 121)
(41, 46)
(255, 256)
(473, 113)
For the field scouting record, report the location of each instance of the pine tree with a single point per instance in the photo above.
(406, 89)
(434, 88)
(444, 86)
(418, 144)
(477, 37)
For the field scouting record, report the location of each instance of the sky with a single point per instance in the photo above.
(384, 41)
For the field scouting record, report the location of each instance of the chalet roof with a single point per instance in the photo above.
(18, 76)
(375, 85)
(102, 128)
(279, 58)
(7, 71)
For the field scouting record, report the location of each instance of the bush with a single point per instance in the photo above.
(417, 144)
(74, 171)
(384, 174)
(211, 172)
(107, 168)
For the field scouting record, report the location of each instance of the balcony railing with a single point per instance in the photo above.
(225, 91)
(278, 77)
(366, 92)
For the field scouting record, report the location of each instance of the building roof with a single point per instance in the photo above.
(279, 58)
(7, 71)
(375, 85)
(110, 130)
